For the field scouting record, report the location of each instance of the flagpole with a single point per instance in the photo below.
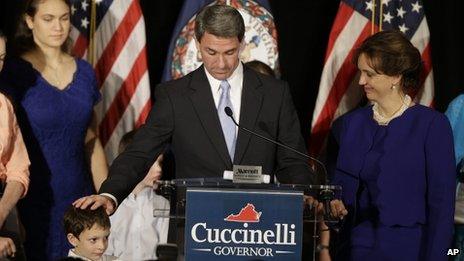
(91, 53)
(93, 22)
(373, 18)
(380, 16)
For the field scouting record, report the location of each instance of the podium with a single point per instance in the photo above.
(216, 219)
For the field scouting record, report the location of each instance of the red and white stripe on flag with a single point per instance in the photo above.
(339, 91)
(120, 65)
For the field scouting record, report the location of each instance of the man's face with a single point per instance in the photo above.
(91, 243)
(220, 55)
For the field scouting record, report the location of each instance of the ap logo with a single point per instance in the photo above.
(452, 252)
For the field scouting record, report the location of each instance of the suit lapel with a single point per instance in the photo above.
(251, 105)
(203, 102)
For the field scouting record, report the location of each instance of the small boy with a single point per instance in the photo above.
(88, 230)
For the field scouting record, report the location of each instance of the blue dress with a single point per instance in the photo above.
(54, 123)
(455, 114)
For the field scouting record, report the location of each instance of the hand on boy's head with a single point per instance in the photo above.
(154, 173)
(7, 247)
(94, 202)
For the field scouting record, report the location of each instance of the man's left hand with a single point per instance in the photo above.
(337, 208)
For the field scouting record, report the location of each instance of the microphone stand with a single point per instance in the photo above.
(229, 113)
(326, 195)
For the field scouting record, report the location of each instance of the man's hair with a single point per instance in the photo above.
(2, 35)
(77, 220)
(221, 21)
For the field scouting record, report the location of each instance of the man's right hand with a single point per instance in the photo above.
(96, 201)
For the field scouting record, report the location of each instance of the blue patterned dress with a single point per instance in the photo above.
(455, 114)
(54, 123)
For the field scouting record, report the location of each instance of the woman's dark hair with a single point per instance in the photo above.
(392, 54)
(23, 39)
(261, 67)
(2, 35)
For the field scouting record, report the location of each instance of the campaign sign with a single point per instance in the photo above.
(231, 224)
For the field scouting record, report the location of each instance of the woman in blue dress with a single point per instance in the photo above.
(54, 95)
(395, 162)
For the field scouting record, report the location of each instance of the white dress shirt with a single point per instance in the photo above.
(135, 232)
(72, 253)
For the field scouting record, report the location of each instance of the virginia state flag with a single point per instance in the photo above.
(260, 36)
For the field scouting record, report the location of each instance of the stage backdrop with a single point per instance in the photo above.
(303, 29)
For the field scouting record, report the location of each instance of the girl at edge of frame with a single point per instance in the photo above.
(55, 94)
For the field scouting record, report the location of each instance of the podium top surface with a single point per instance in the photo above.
(222, 183)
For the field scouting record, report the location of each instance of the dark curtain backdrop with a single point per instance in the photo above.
(303, 27)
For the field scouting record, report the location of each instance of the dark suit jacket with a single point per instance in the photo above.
(416, 173)
(185, 116)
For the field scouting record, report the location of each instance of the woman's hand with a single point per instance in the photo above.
(7, 247)
(337, 209)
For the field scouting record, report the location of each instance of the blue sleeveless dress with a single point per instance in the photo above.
(54, 123)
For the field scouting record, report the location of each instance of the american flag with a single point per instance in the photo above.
(339, 91)
(120, 62)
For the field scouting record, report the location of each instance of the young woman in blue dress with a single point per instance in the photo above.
(54, 94)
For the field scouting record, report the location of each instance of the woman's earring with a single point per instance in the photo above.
(393, 87)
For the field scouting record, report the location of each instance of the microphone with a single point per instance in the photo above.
(326, 195)
(229, 113)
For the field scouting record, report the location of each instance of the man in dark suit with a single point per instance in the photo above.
(189, 115)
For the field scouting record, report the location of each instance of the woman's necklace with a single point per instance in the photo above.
(384, 120)
(54, 73)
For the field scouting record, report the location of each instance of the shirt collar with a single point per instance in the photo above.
(235, 78)
(71, 253)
